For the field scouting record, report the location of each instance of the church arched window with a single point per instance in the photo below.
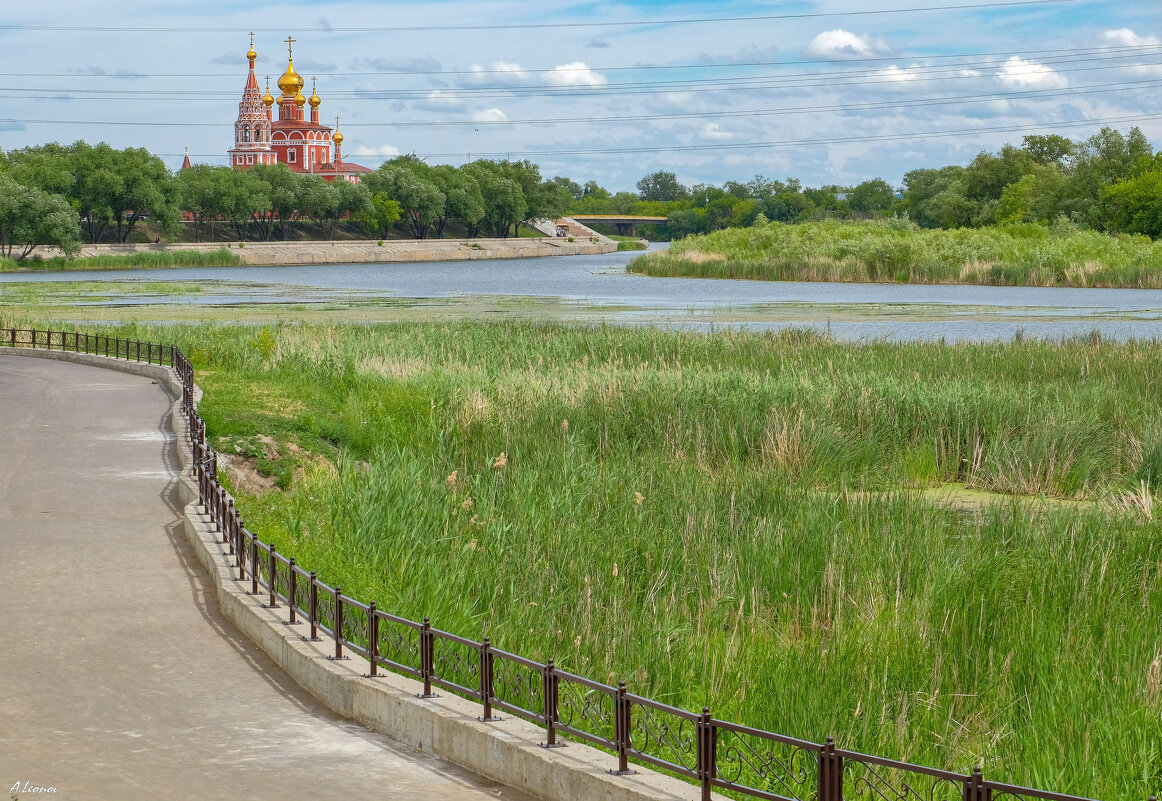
(245, 134)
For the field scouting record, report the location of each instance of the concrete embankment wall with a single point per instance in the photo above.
(371, 252)
(507, 751)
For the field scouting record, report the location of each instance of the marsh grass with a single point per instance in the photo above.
(895, 251)
(222, 257)
(721, 520)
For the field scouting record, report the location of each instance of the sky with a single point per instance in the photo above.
(826, 91)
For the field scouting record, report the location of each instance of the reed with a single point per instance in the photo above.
(733, 520)
(896, 251)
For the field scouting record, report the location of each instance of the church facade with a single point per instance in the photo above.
(302, 144)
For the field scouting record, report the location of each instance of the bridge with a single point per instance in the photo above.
(626, 223)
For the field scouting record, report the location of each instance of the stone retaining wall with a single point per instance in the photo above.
(371, 252)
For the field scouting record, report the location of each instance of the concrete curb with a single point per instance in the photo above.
(508, 751)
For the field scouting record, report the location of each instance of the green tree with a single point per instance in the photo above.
(504, 200)
(144, 189)
(462, 198)
(872, 196)
(411, 184)
(922, 187)
(31, 218)
(239, 196)
(1049, 149)
(1134, 205)
(381, 214)
(661, 185)
(338, 200)
(195, 196)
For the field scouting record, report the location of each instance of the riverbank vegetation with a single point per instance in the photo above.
(223, 257)
(734, 520)
(886, 251)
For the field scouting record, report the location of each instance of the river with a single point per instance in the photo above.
(587, 289)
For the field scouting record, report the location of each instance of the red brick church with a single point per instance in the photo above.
(301, 144)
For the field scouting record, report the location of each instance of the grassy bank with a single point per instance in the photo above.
(898, 252)
(628, 242)
(728, 520)
(222, 257)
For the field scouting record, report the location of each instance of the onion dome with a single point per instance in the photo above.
(251, 54)
(337, 138)
(315, 99)
(268, 98)
(300, 101)
(291, 83)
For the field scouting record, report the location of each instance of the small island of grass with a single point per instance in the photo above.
(898, 251)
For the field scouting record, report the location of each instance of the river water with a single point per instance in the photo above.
(592, 289)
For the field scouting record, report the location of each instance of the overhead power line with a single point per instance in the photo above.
(734, 85)
(1122, 50)
(1029, 94)
(617, 151)
(541, 25)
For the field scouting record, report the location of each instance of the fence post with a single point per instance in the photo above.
(487, 661)
(292, 587)
(338, 630)
(622, 721)
(372, 637)
(239, 551)
(314, 608)
(830, 773)
(427, 657)
(974, 789)
(707, 748)
(230, 515)
(550, 689)
(271, 583)
(253, 563)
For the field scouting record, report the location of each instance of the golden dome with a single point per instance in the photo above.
(252, 55)
(268, 99)
(291, 83)
(300, 101)
(337, 138)
(315, 99)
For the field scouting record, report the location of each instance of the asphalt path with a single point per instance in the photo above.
(119, 677)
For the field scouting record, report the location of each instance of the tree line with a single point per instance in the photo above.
(61, 196)
(1108, 182)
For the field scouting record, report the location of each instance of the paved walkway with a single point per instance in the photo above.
(119, 678)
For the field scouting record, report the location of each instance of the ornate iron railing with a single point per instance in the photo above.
(713, 753)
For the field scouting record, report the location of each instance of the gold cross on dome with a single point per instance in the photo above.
(252, 40)
(290, 40)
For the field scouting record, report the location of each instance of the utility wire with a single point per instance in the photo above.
(1030, 94)
(615, 151)
(903, 75)
(1127, 50)
(541, 25)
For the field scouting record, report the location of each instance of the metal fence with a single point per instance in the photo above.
(713, 753)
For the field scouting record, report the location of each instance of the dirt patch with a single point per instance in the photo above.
(244, 475)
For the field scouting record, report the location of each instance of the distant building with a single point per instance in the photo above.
(303, 146)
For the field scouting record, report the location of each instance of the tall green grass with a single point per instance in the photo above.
(725, 520)
(898, 251)
(221, 257)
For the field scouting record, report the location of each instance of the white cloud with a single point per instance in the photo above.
(438, 100)
(489, 115)
(843, 44)
(389, 151)
(500, 73)
(575, 74)
(1016, 73)
(896, 74)
(1127, 38)
(711, 131)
